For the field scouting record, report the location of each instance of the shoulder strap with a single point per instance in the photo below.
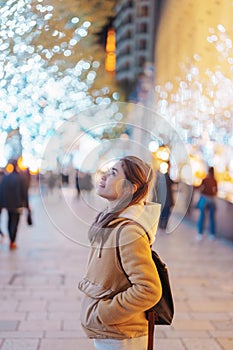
(151, 316)
(125, 223)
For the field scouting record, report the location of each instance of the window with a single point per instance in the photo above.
(141, 61)
(142, 27)
(142, 44)
(143, 11)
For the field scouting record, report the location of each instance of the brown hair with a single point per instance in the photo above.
(139, 174)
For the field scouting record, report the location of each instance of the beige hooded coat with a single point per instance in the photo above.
(113, 305)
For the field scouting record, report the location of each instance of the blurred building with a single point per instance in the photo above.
(135, 24)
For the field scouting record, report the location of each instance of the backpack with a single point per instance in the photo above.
(162, 312)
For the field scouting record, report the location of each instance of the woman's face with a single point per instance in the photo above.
(111, 185)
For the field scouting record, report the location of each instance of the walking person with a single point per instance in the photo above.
(11, 198)
(120, 283)
(163, 194)
(206, 202)
(1, 176)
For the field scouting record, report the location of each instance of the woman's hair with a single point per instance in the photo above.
(138, 173)
(211, 171)
(139, 176)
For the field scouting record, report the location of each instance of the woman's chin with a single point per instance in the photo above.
(100, 192)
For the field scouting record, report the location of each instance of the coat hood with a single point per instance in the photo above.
(147, 215)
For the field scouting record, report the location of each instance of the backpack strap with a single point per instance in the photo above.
(125, 223)
(150, 313)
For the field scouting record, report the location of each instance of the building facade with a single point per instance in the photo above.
(135, 25)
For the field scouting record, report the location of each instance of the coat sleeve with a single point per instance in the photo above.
(145, 290)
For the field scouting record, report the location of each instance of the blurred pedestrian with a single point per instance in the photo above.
(77, 176)
(206, 202)
(116, 298)
(11, 198)
(1, 176)
(26, 181)
(51, 181)
(164, 195)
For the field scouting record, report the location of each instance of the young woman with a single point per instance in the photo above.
(120, 283)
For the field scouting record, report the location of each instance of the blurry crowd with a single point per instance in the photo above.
(14, 187)
(15, 183)
(52, 181)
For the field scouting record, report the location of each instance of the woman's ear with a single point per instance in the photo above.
(134, 188)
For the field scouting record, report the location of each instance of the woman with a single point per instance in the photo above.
(209, 189)
(115, 301)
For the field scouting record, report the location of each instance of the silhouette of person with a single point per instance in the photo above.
(163, 195)
(1, 176)
(12, 198)
(206, 202)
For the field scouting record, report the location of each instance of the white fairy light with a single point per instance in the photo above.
(36, 92)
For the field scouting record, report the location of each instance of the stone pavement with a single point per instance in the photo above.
(40, 303)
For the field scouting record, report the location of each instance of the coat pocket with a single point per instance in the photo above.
(93, 294)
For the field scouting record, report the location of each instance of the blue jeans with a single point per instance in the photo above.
(207, 203)
(139, 343)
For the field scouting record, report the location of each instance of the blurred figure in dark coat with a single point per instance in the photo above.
(12, 198)
(163, 194)
(1, 176)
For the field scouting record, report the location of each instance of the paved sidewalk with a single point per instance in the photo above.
(40, 303)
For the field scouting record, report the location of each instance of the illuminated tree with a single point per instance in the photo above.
(48, 68)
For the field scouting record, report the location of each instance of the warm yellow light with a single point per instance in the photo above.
(110, 62)
(163, 168)
(21, 164)
(163, 154)
(9, 168)
(111, 41)
(34, 171)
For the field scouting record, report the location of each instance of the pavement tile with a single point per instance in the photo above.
(224, 325)
(210, 306)
(71, 325)
(32, 305)
(17, 334)
(65, 306)
(48, 293)
(12, 316)
(201, 344)
(20, 344)
(165, 344)
(8, 325)
(37, 325)
(38, 291)
(192, 325)
(159, 333)
(221, 334)
(69, 344)
(37, 316)
(70, 334)
(181, 316)
(8, 305)
(64, 316)
(186, 334)
(226, 343)
(221, 316)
